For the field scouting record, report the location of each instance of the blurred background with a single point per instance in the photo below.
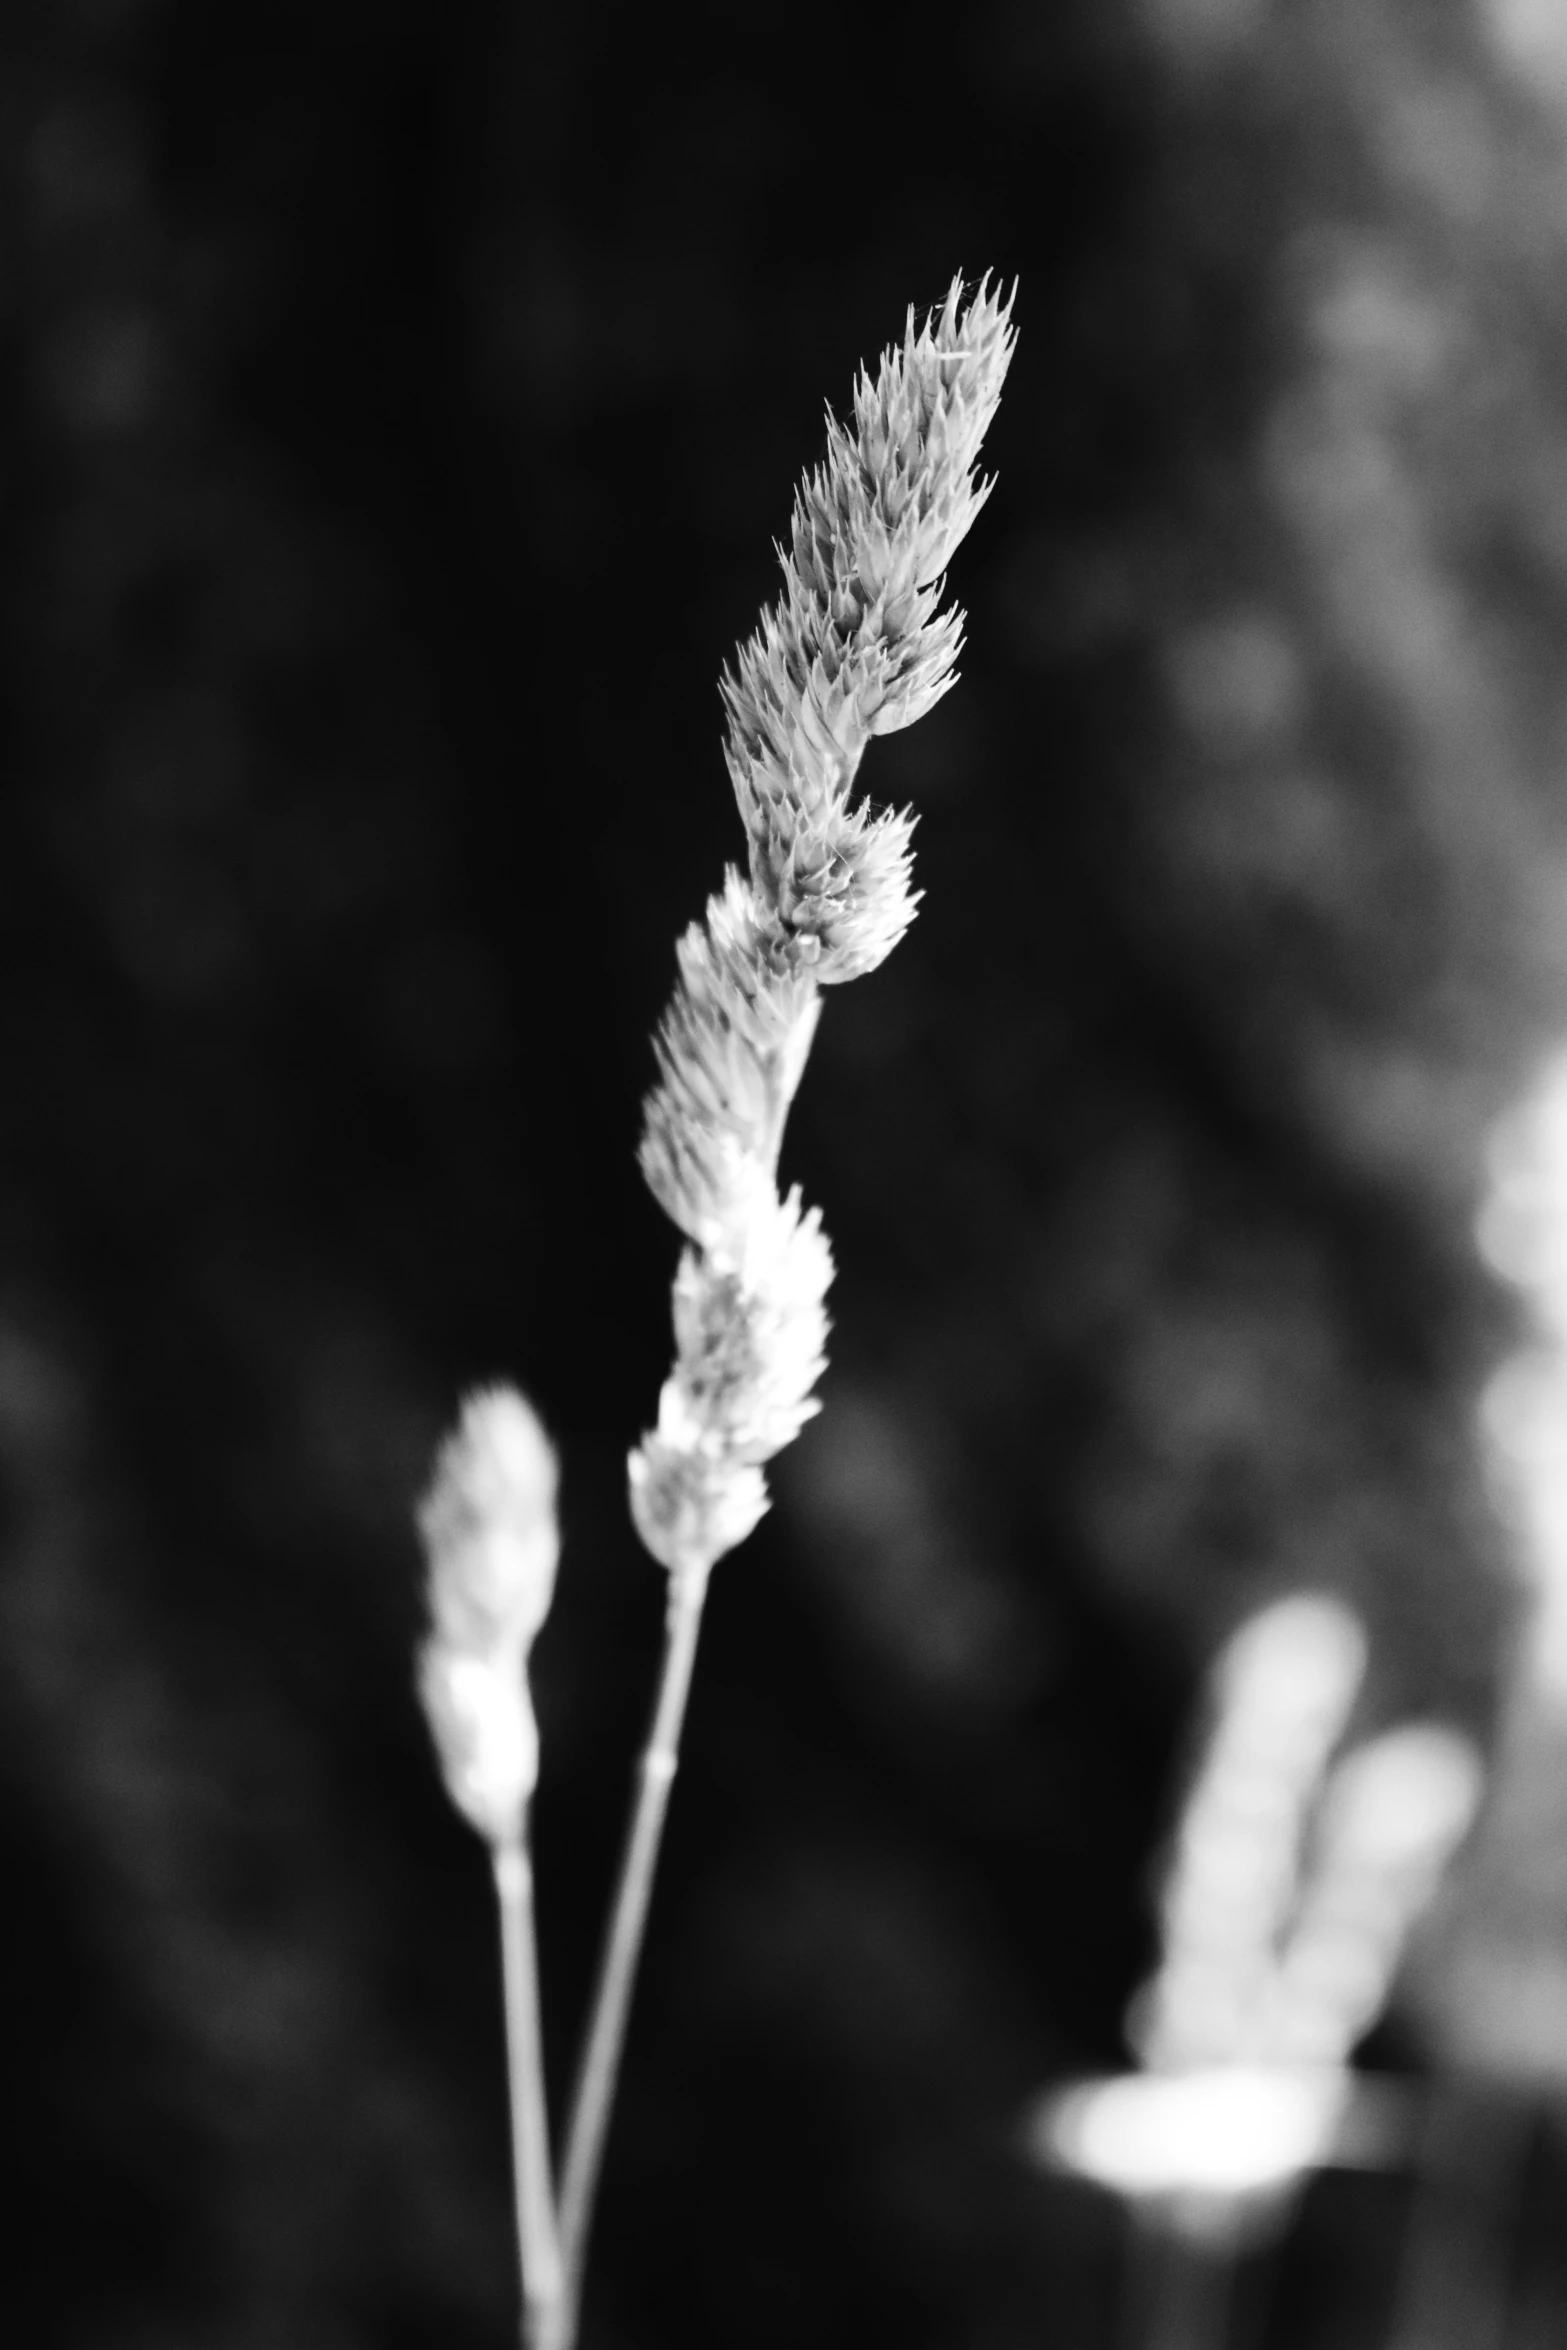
(401, 404)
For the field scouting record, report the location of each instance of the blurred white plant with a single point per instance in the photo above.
(1282, 1689)
(1291, 1894)
(1522, 1233)
(1392, 1815)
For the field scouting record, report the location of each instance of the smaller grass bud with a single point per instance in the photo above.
(491, 1542)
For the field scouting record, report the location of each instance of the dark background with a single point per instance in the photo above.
(400, 406)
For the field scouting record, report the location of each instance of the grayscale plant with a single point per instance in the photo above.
(857, 645)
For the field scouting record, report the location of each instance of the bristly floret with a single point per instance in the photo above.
(856, 646)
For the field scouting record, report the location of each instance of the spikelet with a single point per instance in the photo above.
(491, 1543)
(730, 1049)
(855, 646)
(750, 1344)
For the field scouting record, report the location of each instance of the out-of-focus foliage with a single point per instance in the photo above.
(400, 405)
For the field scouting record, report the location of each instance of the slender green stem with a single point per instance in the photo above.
(612, 2002)
(538, 2242)
(1470, 2160)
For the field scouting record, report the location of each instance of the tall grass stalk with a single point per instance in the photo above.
(857, 645)
(595, 2090)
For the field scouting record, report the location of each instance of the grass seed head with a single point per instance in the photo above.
(855, 646)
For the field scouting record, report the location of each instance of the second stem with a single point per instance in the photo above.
(612, 2003)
